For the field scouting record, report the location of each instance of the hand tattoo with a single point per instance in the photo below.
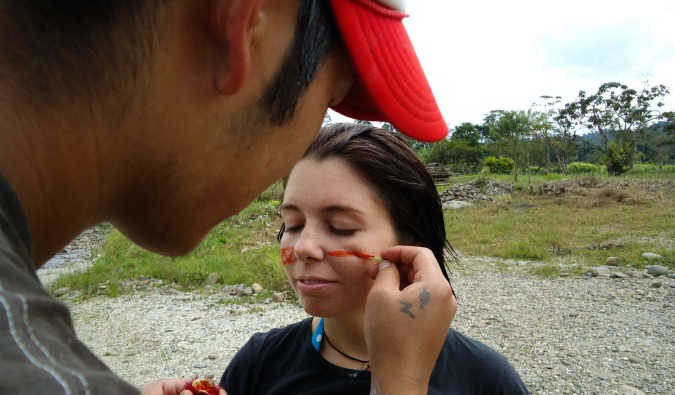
(425, 296)
(406, 308)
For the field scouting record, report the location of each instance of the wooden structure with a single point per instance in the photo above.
(438, 171)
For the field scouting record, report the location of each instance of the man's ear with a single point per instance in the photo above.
(233, 23)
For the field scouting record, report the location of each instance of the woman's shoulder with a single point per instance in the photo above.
(263, 346)
(462, 346)
(465, 343)
(291, 332)
(470, 366)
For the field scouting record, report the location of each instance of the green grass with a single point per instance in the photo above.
(632, 215)
(545, 270)
(242, 249)
(570, 229)
(651, 169)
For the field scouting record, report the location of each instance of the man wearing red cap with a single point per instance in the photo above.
(137, 112)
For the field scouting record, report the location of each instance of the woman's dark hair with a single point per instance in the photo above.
(399, 177)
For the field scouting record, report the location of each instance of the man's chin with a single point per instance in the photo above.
(166, 241)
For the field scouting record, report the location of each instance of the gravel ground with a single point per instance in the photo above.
(573, 335)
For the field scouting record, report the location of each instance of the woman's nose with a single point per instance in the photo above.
(308, 245)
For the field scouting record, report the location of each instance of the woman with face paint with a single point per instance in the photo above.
(358, 194)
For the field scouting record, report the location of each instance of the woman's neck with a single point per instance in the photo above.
(346, 337)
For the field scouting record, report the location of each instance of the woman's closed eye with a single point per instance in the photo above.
(335, 231)
(343, 232)
(294, 228)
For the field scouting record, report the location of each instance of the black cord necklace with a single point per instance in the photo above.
(365, 362)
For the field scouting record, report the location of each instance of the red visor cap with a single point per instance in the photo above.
(390, 83)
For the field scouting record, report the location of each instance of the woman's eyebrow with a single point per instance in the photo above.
(288, 206)
(340, 208)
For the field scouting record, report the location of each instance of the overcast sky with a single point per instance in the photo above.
(483, 55)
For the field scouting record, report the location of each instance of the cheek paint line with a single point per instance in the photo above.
(359, 254)
(287, 256)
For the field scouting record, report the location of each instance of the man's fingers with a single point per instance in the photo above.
(387, 275)
(420, 260)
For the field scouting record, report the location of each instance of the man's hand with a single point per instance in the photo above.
(408, 314)
(170, 387)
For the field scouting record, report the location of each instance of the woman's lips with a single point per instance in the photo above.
(309, 285)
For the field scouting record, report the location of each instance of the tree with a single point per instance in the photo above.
(439, 152)
(568, 121)
(468, 132)
(669, 117)
(516, 128)
(542, 128)
(587, 151)
(388, 126)
(548, 103)
(624, 113)
(466, 148)
(657, 146)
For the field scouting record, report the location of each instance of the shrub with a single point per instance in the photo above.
(589, 181)
(582, 168)
(642, 168)
(490, 163)
(536, 170)
(484, 173)
(501, 165)
(523, 250)
(650, 168)
(619, 157)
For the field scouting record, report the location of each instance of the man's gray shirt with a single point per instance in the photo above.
(39, 351)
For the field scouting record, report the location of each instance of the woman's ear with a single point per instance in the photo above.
(233, 23)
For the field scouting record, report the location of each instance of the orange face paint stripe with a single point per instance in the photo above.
(287, 256)
(340, 253)
(359, 254)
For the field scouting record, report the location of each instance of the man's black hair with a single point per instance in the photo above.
(56, 51)
(315, 36)
(74, 49)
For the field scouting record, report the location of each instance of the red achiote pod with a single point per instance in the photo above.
(202, 386)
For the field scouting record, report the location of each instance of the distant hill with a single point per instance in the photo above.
(658, 126)
(594, 137)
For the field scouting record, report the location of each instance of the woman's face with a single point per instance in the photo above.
(328, 207)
